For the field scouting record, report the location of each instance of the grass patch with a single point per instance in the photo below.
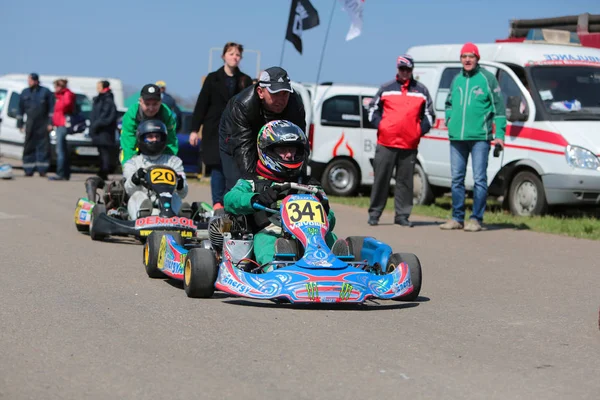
(573, 223)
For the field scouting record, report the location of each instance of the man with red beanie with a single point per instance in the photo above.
(473, 106)
(402, 112)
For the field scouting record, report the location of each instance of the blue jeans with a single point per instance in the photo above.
(459, 156)
(63, 161)
(217, 184)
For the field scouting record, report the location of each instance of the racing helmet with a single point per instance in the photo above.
(147, 147)
(281, 133)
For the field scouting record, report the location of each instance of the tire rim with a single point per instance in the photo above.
(187, 273)
(161, 253)
(341, 178)
(526, 198)
(417, 188)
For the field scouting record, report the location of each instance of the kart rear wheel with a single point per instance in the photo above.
(82, 228)
(414, 266)
(154, 252)
(96, 211)
(355, 243)
(200, 273)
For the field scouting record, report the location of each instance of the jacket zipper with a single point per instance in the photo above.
(462, 131)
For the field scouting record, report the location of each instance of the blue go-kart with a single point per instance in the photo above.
(313, 274)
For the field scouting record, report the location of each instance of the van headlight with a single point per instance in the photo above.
(578, 157)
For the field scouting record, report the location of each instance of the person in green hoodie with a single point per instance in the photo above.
(150, 106)
(473, 107)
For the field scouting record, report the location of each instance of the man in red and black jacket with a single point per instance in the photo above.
(402, 112)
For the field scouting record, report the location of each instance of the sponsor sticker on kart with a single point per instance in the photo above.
(174, 221)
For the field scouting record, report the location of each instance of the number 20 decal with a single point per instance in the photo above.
(162, 176)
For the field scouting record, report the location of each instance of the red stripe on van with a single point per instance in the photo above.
(520, 132)
(512, 146)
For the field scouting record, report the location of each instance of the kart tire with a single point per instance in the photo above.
(355, 244)
(154, 252)
(82, 228)
(96, 211)
(200, 273)
(414, 266)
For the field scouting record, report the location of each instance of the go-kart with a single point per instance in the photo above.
(107, 215)
(312, 274)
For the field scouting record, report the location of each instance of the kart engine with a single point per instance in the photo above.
(235, 226)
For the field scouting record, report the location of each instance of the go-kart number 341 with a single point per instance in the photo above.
(159, 175)
(305, 211)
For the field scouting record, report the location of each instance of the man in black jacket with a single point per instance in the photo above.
(271, 98)
(103, 126)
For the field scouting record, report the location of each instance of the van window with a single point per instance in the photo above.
(510, 89)
(341, 111)
(13, 105)
(3, 94)
(366, 100)
(84, 104)
(444, 88)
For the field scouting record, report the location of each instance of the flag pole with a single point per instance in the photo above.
(322, 56)
(285, 36)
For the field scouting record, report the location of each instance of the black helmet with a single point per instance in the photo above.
(144, 129)
(282, 133)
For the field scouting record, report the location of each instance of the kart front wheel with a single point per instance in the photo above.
(96, 211)
(154, 252)
(200, 273)
(414, 266)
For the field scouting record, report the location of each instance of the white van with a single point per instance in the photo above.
(12, 139)
(552, 154)
(341, 138)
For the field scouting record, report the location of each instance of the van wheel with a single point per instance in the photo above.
(340, 178)
(422, 191)
(526, 196)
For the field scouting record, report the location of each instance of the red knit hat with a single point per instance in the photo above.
(470, 48)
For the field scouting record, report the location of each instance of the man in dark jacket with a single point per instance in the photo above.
(402, 112)
(218, 87)
(103, 126)
(37, 103)
(271, 98)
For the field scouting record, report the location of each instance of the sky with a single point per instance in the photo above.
(145, 41)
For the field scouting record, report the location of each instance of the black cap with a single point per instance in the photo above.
(150, 92)
(275, 79)
(34, 76)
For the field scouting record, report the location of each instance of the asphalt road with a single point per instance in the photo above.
(504, 314)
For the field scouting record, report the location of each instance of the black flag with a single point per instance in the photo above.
(303, 16)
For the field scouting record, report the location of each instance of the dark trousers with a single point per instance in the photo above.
(105, 160)
(230, 167)
(217, 184)
(386, 158)
(63, 159)
(36, 150)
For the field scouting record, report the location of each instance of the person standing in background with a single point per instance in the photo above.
(103, 126)
(218, 87)
(64, 105)
(37, 103)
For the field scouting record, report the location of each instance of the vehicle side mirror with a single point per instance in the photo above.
(12, 112)
(513, 109)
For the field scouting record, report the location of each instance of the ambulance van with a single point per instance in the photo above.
(552, 145)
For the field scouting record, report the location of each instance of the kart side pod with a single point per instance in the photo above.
(375, 252)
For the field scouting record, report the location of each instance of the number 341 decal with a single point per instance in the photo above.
(305, 211)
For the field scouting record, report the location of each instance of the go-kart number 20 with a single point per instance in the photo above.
(158, 176)
(305, 211)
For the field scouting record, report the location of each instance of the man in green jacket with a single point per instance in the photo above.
(150, 106)
(473, 106)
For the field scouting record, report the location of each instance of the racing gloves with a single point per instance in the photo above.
(180, 182)
(266, 198)
(139, 177)
(324, 201)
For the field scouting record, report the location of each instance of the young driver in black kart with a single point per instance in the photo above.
(151, 140)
